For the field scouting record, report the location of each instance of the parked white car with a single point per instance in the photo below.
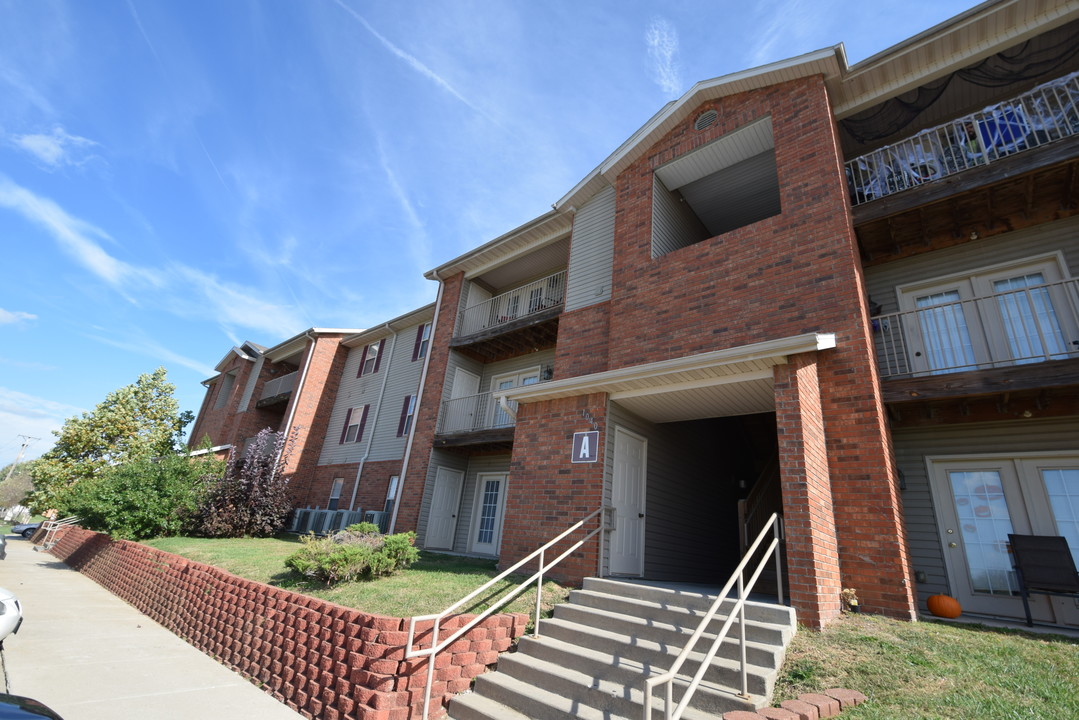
(10, 614)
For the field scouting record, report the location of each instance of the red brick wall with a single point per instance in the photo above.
(808, 510)
(793, 273)
(323, 660)
(371, 494)
(227, 425)
(583, 336)
(412, 484)
(547, 493)
(313, 406)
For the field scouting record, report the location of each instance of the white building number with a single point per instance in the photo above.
(586, 447)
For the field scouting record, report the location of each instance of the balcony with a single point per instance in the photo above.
(983, 344)
(514, 321)
(479, 419)
(277, 390)
(1040, 117)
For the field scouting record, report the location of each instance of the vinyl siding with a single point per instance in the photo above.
(674, 225)
(881, 281)
(381, 430)
(913, 445)
(685, 515)
(471, 467)
(591, 255)
(457, 360)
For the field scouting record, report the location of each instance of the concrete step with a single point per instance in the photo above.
(664, 624)
(552, 692)
(473, 706)
(661, 654)
(722, 674)
(691, 597)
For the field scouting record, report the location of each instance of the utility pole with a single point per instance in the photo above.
(26, 440)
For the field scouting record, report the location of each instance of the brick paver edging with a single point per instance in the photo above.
(324, 660)
(808, 706)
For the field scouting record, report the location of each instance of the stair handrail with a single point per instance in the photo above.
(738, 610)
(543, 566)
(52, 527)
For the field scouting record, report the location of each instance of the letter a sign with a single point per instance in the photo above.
(585, 447)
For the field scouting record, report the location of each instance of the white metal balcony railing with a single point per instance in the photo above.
(535, 297)
(1047, 113)
(478, 412)
(1017, 327)
(279, 385)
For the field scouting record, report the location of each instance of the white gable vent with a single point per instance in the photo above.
(705, 119)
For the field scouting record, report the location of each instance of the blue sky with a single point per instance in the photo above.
(178, 176)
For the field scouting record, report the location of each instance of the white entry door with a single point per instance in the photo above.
(982, 501)
(442, 519)
(487, 517)
(627, 496)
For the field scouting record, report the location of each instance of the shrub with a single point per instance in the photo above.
(353, 554)
(143, 499)
(251, 498)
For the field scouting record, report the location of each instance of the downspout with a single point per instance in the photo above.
(507, 408)
(296, 401)
(374, 420)
(419, 395)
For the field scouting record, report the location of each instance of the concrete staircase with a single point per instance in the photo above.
(593, 656)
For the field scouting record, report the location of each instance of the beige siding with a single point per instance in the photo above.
(591, 254)
(439, 458)
(913, 445)
(881, 281)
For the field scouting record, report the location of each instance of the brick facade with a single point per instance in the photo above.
(322, 660)
(370, 492)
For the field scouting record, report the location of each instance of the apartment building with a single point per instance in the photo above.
(844, 293)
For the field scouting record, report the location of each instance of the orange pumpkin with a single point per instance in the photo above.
(944, 606)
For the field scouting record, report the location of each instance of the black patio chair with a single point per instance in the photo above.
(1044, 566)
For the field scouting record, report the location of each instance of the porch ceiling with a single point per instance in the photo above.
(737, 381)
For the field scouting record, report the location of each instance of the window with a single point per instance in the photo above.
(500, 418)
(423, 340)
(391, 493)
(335, 493)
(355, 421)
(371, 358)
(224, 389)
(408, 410)
(992, 317)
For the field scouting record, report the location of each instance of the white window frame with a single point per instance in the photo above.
(370, 358)
(335, 494)
(355, 420)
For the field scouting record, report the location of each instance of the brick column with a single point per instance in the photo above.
(813, 576)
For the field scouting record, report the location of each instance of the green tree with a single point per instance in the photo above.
(14, 489)
(146, 498)
(137, 422)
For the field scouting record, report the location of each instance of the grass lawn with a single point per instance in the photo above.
(933, 670)
(429, 586)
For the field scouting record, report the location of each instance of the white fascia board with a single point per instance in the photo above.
(762, 76)
(774, 350)
(409, 319)
(489, 248)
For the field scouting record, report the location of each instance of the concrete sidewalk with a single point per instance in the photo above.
(90, 656)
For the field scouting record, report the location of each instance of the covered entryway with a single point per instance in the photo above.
(685, 440)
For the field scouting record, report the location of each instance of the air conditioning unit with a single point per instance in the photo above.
(382, 519)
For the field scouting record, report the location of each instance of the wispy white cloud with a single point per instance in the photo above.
(10, 317)
(181, 289)
(661, 38)
(25, 365)
(57, 148)
(412, 61)
(150, 348)
(76, 237)
(784, 24)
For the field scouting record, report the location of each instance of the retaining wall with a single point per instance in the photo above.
(323, 660)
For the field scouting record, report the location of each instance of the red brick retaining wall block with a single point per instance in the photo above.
(321, 659)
